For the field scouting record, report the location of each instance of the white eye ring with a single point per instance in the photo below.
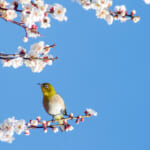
(46, 86)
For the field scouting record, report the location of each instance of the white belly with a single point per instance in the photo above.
(54, 105)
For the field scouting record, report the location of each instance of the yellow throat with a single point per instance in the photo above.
(47, 90)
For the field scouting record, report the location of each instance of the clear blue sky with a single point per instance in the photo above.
(103, 67)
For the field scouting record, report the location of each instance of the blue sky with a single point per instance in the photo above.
(103, 67)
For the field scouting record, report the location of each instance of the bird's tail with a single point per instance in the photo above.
(62, 127)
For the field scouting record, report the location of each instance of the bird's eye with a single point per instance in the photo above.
(46, 86)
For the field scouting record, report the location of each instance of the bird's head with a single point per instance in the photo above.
(47, 89)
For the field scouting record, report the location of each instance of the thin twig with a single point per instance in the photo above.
(55, 121)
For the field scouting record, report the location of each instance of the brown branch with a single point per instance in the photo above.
(5, 9)
(13, 56)
(21, 25)
(51, 46)
(46, 124)
(126, 15)
(28, 58)
(41, 127)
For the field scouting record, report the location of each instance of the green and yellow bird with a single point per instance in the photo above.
(53, 103)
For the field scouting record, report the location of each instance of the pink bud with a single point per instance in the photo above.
(70, 128)
(71, 115)
(44, 123)
(38, 118)
(52, 10)
(25, 39)
(56, 57)
(86, 112)
(34, 123)
(77, 121)
(45, 59)
(34, 26)
(22, 53)
(66, 128)
(27, 132)
(133, 12)
(48, 123)
(116, 17)
(45, 130)
(82, 119)
(55, 130)
(65, 122)
(45, 14)
(28, 124)
(79, 117)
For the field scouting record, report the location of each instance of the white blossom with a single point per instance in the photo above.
(9, 14)
(109, 19)
(6, 138)
(17, 62)
(45, 22)
(39, 2)
(8, 127)
(102, 13)
(70, 128)
(3, 3)
(32, 34)
(91, 112)
(55, 130)
(59, 12)
(24, 1)
(34, 122)
(21, 50)
(121, 9)
(36, 14)
(20, 126)
(36, 49)
(25, 39)
(147, 1)
(6, 62)
(136, 19)
(37, 58)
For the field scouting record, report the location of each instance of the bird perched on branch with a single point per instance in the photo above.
(53, 103)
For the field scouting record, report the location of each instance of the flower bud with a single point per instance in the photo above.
(55, 130)
(71, 115)
(77, 121)
(45, 130)
(34, 122)
(133, 12)
(65, 122)
(86, 112)
(38, 118)
(44, 123)
(25, 39)
(27, 132)
(82, 119)
(135, 19)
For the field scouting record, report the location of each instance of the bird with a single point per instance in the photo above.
(53, 103)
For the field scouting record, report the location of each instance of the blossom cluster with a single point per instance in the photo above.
(11, 126)
(102, 8)
(37, 58)
(31, 13)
